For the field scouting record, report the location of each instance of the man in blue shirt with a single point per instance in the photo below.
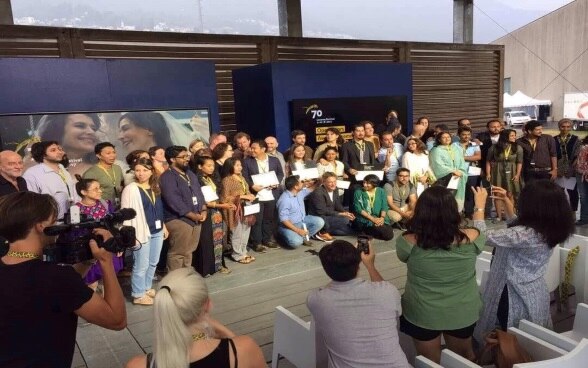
(184, 208)
(296, 227)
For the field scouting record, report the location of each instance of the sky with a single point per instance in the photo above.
(399, 20)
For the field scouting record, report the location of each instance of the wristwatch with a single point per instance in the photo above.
(476, 209)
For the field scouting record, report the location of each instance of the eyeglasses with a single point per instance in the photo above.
(183, 157)
(95, 190)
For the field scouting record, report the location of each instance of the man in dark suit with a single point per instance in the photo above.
(259, 163)
(326, 203)
(355, 156)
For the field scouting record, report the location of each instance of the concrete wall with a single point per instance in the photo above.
(536, 53)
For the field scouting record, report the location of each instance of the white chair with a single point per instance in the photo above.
(552, 274)
(580, 329)
(485, 255)
(294, 339)
(422, 362)
(449, 359)
(482, 265)
(576, 358)
(537, 348)
(552, 337)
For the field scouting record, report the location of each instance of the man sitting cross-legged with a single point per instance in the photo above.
(402, 197)
(326, 203)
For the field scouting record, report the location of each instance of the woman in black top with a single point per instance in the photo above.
(185, 335)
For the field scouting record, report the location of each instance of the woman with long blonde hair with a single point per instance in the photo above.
(185, 335)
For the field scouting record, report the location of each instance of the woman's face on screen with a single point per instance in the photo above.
(134, 137)
(79, 134)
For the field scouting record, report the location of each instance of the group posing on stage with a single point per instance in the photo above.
(200, 205)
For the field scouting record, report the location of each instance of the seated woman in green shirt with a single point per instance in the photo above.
(370, 207)
(441, 294)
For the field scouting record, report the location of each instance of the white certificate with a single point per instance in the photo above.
(362, 174)
(251, 209)
(209, 193)
(474, 171)
(454, 182)
(566, 183)
(420, 188)
(265, 195)
(266, 179)
(343, 184)
(307, 174)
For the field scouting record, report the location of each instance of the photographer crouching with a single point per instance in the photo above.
(40, 301)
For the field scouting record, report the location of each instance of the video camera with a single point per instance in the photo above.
(73, 239)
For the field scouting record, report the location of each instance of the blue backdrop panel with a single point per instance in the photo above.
(33, 85)
(263, 92)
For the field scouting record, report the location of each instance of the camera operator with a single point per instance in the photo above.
(40, 302)
(349, 308)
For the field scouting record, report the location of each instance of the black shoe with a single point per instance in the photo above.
(271, 244)
(307, 243)
(259, 248)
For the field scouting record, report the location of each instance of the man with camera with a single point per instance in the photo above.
(39, 301)
(349, 308)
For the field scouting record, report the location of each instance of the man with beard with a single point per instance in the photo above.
(183, 205)
(540, 153)
(50, 177)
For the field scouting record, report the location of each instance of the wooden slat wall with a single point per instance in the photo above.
(452, 84)
(450, 81)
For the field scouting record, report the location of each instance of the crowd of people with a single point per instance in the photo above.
(199, 205)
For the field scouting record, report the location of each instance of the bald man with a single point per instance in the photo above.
(11, 168)
(272, 150)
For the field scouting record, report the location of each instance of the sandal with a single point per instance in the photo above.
(251, 258)
(244, 260)
(144, 300)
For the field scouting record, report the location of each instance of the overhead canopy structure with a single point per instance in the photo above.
(522, 102)
(519, 99)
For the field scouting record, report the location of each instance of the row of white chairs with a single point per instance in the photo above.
(298, 341)
(548, 349)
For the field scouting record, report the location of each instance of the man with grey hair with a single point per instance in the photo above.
(11, 168)
(272, 150)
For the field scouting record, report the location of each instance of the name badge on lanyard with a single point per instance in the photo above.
(158, 224)
(195, 200)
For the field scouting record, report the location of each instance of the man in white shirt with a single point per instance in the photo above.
(390, 154)
(358, 319)
(50, 177)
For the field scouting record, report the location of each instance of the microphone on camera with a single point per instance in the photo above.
(121, 215)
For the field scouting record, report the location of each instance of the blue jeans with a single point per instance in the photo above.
(313, 225)
(582, 187)
(146, 260)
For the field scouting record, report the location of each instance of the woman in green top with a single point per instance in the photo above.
(371, 209)
(447, 160)
(441, 294)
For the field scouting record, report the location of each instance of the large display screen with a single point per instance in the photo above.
(79, 132)
(314, 116)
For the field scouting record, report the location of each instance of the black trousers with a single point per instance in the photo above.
(262, 231)
(384, 232)
(530, 175)
(468, 207)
